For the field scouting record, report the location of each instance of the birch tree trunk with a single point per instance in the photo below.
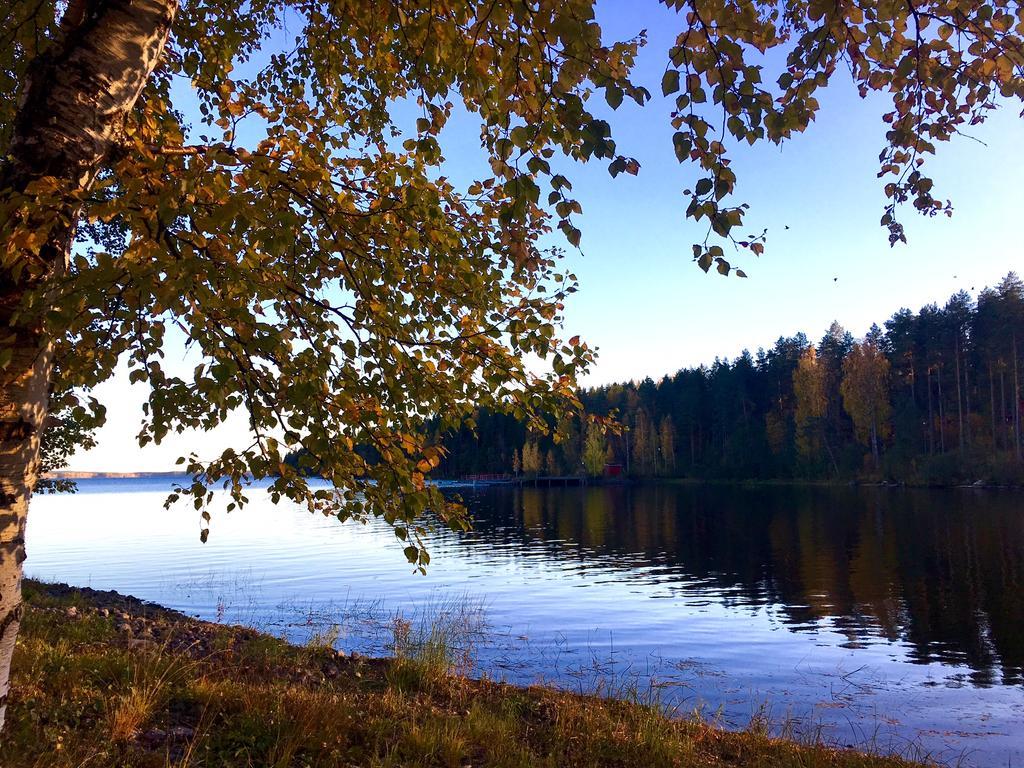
(942, 413)
(1002, 402)
(931, 417)
(992, 405)
(968, 429)
(959, 398)
(1016, 401)
(72, 108)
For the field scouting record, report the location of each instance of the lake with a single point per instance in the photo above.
(883, 618)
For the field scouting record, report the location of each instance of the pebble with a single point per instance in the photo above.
(154, 736)
(180, 732)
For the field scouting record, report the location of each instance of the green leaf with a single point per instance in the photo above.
(670, 82)
(682, 144)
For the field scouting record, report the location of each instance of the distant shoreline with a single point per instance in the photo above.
(692, 481)
(68, 475)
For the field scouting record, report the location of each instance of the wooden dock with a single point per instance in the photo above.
(552, 481)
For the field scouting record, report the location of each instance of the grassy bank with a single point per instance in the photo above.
(105, 680)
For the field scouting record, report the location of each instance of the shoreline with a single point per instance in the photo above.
(797, 483)
(124, 682)
(63, 475)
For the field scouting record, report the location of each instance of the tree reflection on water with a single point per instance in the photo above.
(940, 570)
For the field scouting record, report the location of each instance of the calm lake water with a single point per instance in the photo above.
(887, 618)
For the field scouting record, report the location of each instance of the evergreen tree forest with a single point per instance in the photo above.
(927, 397)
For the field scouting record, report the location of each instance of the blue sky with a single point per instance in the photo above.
(650, 310)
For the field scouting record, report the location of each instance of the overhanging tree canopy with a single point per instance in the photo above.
(304, 242)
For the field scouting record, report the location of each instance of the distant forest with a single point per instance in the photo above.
(932, 396)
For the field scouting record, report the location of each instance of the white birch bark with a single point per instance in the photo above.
(72, 107)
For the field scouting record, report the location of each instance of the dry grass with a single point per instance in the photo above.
(152, 675)
(208, 696)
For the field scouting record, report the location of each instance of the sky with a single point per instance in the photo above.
(647, 307)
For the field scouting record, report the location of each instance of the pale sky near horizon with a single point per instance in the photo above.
(651, 311)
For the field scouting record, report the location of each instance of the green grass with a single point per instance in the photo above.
(198, 694)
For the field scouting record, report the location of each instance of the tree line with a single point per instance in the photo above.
(931, 396)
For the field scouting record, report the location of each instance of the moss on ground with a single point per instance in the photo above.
(104, 680)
